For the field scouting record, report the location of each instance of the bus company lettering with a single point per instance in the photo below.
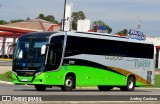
(142, 63)
(71, 62)
(114, 57)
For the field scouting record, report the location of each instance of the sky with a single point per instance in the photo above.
(118, 14)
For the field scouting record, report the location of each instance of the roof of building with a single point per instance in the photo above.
(155, 40)
(37, 24)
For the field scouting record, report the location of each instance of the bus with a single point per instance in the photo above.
(75, 59)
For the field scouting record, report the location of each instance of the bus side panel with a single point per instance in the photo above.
(85, 76)
(90, 76)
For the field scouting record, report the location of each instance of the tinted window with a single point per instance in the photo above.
(55, 52)
(81, 45)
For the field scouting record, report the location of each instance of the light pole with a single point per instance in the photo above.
(64, 14)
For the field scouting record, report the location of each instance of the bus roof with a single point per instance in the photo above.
(105, 36)
(38, 34)
(84, 34)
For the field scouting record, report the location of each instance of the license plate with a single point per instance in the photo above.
(24, 79)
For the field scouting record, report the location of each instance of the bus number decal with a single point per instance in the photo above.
(71, 62)
(114, 58)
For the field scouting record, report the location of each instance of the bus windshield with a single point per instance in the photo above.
(28, 52)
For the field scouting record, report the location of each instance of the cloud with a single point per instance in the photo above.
(119, 14)
(121, 9)
(30, 8)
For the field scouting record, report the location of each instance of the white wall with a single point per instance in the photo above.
(9, 41)
(83, 25)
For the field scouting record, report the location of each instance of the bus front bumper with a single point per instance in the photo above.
(32, 80)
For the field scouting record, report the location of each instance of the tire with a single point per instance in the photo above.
(130, 85)
(69, 84)
(40, 87)
(104, 88)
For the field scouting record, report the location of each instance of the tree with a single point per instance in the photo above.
(2, 22)
(49, 18)
(124, 32)
(27, 19)
(14, 21)
(101, 23)
(41, 16)
(77, 16)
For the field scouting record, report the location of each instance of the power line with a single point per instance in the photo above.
(139, 23)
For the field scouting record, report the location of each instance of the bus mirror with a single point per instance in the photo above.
(43, 49)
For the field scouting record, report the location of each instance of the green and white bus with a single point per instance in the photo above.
(70, 59)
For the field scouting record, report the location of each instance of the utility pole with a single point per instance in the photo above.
(139, 24)
(64, 15)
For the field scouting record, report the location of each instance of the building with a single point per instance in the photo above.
(10, 32)
(156, 41)
(83, 28)
(36, 24)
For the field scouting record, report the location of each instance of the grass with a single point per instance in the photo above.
(157, 81)
(8, 77)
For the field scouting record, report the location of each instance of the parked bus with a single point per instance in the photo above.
(70, 59)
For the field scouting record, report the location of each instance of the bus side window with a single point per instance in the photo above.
(55, 52)
(52, 58)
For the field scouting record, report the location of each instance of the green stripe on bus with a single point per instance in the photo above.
(85, 76)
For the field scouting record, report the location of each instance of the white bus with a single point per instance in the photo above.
(70, 59)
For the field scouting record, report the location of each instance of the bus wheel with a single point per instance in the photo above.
(130, 85)
(69, 84)
(104, 88)
(40, 87)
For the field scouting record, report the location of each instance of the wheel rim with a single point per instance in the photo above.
(69, 83)
(130, 84)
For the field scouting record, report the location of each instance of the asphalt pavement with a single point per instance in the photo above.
(5, 62)
(80, 95)
(5, 65)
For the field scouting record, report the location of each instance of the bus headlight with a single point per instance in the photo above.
(14, 73)
(38, 73)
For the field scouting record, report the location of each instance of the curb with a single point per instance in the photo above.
(3, 59)
(116, 88)
(5, 82)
